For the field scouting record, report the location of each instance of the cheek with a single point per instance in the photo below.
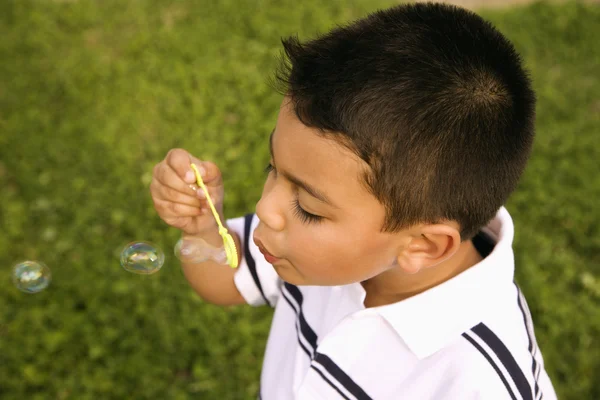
(325, 251)
(313, 245)
(348, 254)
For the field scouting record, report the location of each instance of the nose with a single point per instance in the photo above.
(269, 208)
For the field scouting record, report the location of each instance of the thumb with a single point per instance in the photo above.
(210, 173)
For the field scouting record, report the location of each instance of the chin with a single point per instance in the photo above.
(290, 275)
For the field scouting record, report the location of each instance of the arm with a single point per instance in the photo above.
(184, 207)
(253, 282)
(212, 281)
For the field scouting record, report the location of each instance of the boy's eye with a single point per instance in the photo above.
(270, 168)
(303, 215)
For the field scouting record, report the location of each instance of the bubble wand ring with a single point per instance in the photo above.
(228, 242)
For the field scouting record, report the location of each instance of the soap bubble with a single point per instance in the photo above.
(194, 250)
(142, 258)
(31, 276)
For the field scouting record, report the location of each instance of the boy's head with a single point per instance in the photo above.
(431, 107)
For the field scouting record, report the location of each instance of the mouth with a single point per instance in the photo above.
(271, 259)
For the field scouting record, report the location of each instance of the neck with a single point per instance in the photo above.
(395, 285)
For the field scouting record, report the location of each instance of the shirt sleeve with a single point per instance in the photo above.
(255, 278)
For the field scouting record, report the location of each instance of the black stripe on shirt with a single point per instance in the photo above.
(308, 352)
(530, 338)
(492, 363)
(339, 375)
(249, 258)
(505, 358)
(307, 332)
(330, 383)
(311, 338)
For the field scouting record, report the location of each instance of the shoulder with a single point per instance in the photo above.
(483, 364)
(365, 358)
(352, 361)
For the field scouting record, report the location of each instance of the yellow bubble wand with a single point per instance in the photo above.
(228, 243)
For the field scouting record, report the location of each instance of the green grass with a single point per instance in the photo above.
(94, 93)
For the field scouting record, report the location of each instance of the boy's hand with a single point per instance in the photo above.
(176, 203)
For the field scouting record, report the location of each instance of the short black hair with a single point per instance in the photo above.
(431, 96)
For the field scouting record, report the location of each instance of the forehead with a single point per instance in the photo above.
(320, 161)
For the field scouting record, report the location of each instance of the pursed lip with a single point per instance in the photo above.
(264, 250)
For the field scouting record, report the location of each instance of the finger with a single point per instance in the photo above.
(212, 173)
(179, 160)
(178, 222)
(168, 177)
(166, 193)
(214, 193)
(168, 209)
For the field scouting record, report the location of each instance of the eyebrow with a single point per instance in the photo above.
(314, 192)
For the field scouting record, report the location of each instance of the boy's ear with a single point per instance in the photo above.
(429, 246)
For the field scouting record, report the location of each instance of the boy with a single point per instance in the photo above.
(386, 250)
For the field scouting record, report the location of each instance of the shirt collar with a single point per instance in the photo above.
(432, 319)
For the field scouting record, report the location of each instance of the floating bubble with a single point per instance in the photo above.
(196, 250)
(31, 276)
(142, 258)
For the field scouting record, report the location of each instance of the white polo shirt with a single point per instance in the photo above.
(469, 338)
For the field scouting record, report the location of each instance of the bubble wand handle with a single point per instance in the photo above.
(228, 242)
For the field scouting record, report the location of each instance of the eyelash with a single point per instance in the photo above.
(299, 212)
